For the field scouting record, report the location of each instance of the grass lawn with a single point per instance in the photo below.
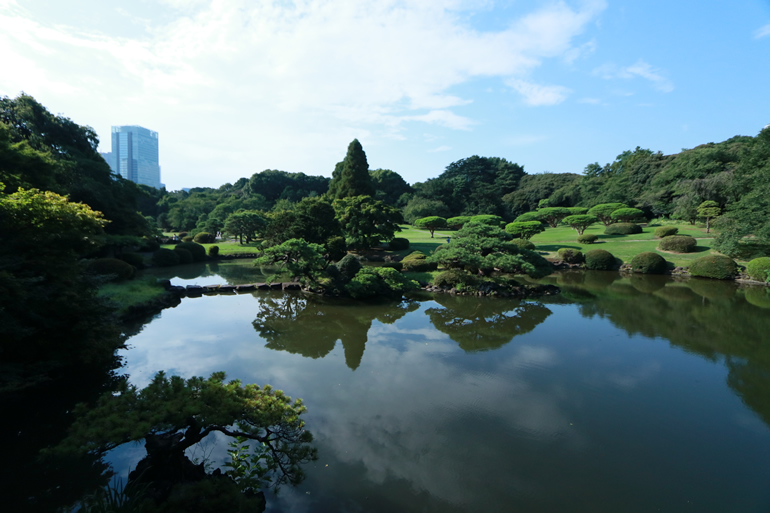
(419, 240)
(133, 292)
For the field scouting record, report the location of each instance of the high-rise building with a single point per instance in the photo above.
(134, 155)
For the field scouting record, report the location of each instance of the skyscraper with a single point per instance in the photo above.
(134, 155)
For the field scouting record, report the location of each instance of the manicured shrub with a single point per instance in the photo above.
(214, 251)
(415, 262)
(527, 217)
(453, 277)
(600, 260)
(714, 266)
(622, 229)
(666, 231)
(379, 282)
(348, 267)
(759, 269)
(335, 248)
(182, 234)
(111, 266)
(456, 223)
(627, 215)
(587, 239)
(203, 238)
(198, 251)
(398, 244)
(488, 219)
(187, 239)
(648, 263)
(134, 259)
(165, 258)
(571, 256)
(149, 245)
(525, 229)
(524, 244)
(185, 256)
(678, 244)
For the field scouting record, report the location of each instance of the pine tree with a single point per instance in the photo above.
(351, 176)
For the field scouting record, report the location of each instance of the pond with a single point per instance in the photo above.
(622, 394)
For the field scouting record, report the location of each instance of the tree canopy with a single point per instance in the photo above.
(351, 176)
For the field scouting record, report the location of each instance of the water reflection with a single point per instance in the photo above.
(312, 326)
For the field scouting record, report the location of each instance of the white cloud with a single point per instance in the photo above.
(251, 78)
(590, 101)
(440, 148)
(654, 75)
(535, 94)
(762, 32)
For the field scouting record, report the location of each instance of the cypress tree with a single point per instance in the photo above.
(351, 176)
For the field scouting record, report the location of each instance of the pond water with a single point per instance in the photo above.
(622, 394)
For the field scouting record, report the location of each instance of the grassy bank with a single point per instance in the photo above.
(131, 293)
(227, 247)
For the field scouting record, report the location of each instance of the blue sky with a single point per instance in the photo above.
(237, 86)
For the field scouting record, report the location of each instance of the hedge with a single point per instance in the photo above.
(398, 243)
(111, 266)
(587, 239)
(198, 251)
(648, 263)
(571, 256)
(203, 238)
(759, 269)
(714, 266)
(134, 259)
(185, 256)
(165, 258)
(622, 229)
(678, 243)
(600, 260)
(665, 231)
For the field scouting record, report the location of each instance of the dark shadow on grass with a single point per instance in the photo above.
(555, 247)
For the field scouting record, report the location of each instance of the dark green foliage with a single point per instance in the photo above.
(111, 266)
(553, 215)
(264, 189)
(165, 258)
(431, 223)
(419, 207)
(389, 186)
(527, 217)
(134, 259)
(487, 219)
(571, 256)
(398, 244)
(622, 229)
(185, 255)
(577, 211)
(203, 238)
(379, 282)
(666, 231)
(348, 267)
(198, 252)
(365, 221)
(587, 239)
(524, 230)
(213, 251)
(300, 258)
(604, 211)
(534, 188)
(457, 222)
(708, 210)
(454, 277)
(149, 245)
(600, 260)
(351, 176)
(627, 215)
(678, 244)
(524, 244)
(335, 248)
(182, 235)
(187, 239)
(579, 222)
(648, 263)
(244, 224)
(714, 266)
(417, 262)
(312, 219)
(759, 269)
(398, 266)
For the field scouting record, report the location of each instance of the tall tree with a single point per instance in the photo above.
(351, 176)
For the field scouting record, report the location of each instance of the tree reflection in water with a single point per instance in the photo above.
(311, 327)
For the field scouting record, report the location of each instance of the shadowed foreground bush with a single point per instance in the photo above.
(571, 256)
(714, 266)
(648, 263)
(524, 244)
(134, 259)
(185, 257)
(165, 258)
(398, 243)
(111, 266)
(600, 260)
(198, 252)
(678, 244)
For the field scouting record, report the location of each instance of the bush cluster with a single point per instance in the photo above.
(185, 256)
(454, 277)
(165, 258)
(600, 260)
(134, 259)
(214, 251)
(203, 238)
(398, 243)
(111, 266)
(524, 244)
(648, 263)
(348, 267)
(379, 282)
(198, 252)
(571, 256)
(336, 249)
(187, 239)
(622, 229)
(678, 243)
(759, 269)
(587, 239)
(666, 231)
(714, 266)
(416, 262)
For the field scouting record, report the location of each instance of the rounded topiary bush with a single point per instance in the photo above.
(214, 251)
(416, 262)
(165, 258)
(622, 229)
(134, 259)
(149, 245)
(600, 260)
(187, 239)
(111, 266)
(678, 244)
(182, 234)
(665, 231)
(185, 256)
(452, 278)
(587, 239)
(198, 251)
(348, 267)
(524, 244)
(571, 256)
(648, 263)
(398, 243)
(203, 238)
(714, 266)
(759, 269)
(336, 248)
